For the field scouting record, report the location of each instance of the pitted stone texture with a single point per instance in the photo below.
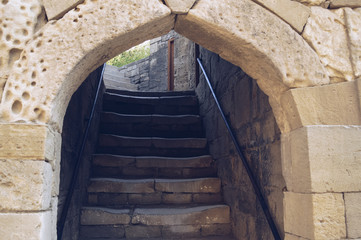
(322, 159)
(353, 22)
(180, 7)
(32, 226)
(104, 216)
(58, 59)
(315, 216)
(353, 214)
(291, 12)
(19, 20)
(326, 33)
(276, 56)
(25, 185)
(56, 9)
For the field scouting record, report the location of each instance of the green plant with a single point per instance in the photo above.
(134, 54)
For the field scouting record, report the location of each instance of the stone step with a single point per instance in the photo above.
(120, 85)
(150, 238)
(156, 222)
(114, 185)
(146, 100)
(166, 105)
(151, 125)
(151, 146)
(107, 165)
(151, 94)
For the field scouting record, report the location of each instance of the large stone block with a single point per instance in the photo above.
(353, 23)
(312, 2)
(25, 185)
(315, 216)
(20, 226)
(322, 159)
(56, 9)
(27, 141)
(353, 214)
(326, 32)
(180, 7)
(345, 3)
(291, 12)
(334, 104)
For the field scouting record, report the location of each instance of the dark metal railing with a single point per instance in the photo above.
(64, 213)
(256, 188)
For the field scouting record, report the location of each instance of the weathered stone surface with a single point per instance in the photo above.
(180, 7)
(293, 237)
(216, 229)
(32, 226)
(326, 33)
(104, 216)
(322, 159)
(312, 2)
(315, 216)
(115, 231)
(121, 185)
(79, 46)
(164, 162)
(244, 31)
(322, 105)
(108, 160)
(56, 9)
(184, 231)
(204, 185)
(134, 231)
(26, 141)
(176, 198)
(345, 3)
(353, 23)
(20, 20)
(353, 214)
(25, 185)
(145, 198)
(181, 216)
(291, 12)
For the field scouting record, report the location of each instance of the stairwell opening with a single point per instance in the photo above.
(247, 108)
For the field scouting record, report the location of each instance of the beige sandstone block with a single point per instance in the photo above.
(180, 7)
(291, 12)
(353, 214)
(29, 226)
(334, 104)
(353, 21)
(55, 9)
(314, 216)
(25, 185)
(27, 141)
(322, 159)
(345, 3)
(312, 2)
(326, 32)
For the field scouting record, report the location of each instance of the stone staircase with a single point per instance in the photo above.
(114, 78)
(152, 177)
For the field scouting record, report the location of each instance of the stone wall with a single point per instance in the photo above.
(151, 73)
(75, 122)
(252, 119)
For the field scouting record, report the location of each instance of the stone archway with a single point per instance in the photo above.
(59, 57)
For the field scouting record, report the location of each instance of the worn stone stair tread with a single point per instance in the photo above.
(179, 238)
(115, 185)
(151, 100)
(110, 117)
(181, 216)
(111, 160)
(110, 140)
(153, 216)
(151, 94)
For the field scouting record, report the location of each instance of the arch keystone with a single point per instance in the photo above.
(180, 7)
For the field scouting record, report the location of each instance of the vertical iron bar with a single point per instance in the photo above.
(171, 64)
(256, 188)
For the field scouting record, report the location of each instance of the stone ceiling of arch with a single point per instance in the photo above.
(60, 55)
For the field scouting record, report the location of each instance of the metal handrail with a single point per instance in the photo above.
(256, 188)
(64, 213)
